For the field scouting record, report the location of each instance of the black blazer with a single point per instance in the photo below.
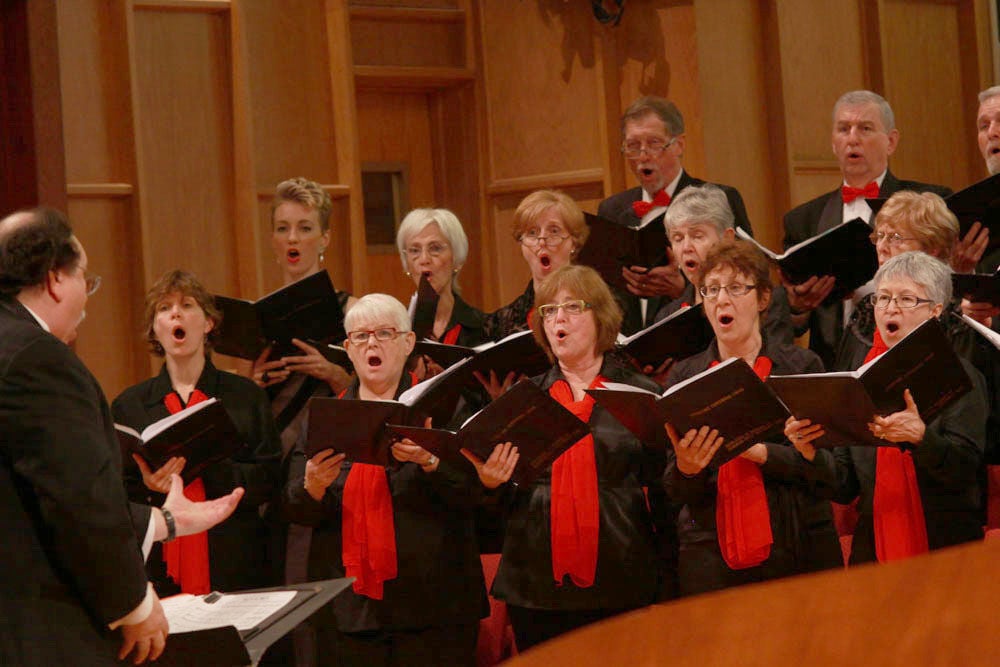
(440, 578)
(816, 216)
(618, 207)
(237, 546)
(70, 560)
(802, 523)
(636, 548)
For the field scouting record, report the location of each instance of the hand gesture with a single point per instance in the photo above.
(498, 468)
(656, 281)
(314, 364)
(801, 433)
(265, 373)
(808, 295)
(426, 368)
(159, 481)
(191, 517)
(321, 470)
(493, 386)
(146, 638)
(969, 250)
(660, 373)
(903, 426)
(696, 449)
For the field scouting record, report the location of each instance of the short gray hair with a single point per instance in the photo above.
(929, 272)
(700, 203)
(380, 308)
(989, 93)
(858, 97)
(662, 108)
(451, 228)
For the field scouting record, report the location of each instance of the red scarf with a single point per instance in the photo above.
(897, 511)
(368, 530)
(187, 557)
(641, 208)
(575, 512)
(742, 517)
(451, 336)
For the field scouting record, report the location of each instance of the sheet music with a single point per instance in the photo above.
(245, 611)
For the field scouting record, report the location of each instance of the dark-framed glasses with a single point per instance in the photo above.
(711, 292)
(904, 301)
(573, 308)
(384, 334)
(653, 149)
(894, 239)
(435, 250)
(551, 241)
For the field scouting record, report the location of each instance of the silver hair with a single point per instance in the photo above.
(989, 93)
(929, 272)
(702, 203)
(382, 309)
(858, 97)
(450, 226)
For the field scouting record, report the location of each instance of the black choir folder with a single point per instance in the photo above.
(728, 397)
(518, 353)
(844, 403)
(357, 427)
(845, 252)
(611, 246)
(202, 433)
(423, 310)
(980, 202)
(978, 287)
(526, 416)
(226, 630)
(683, 333)
(307, 309)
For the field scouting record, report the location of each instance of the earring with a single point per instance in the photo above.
(407, 274)
(320, 256)
(454, 272)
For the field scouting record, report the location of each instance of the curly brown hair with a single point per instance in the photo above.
(185, 284)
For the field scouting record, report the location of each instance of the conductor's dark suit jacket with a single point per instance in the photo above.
(618, 207)
(816, 216)
(70, 561)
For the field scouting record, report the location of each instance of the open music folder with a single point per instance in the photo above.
(235, 629)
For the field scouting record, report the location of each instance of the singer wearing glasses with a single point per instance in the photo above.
(924, 492)
(580, 543)
(404, 531)
(754, 518)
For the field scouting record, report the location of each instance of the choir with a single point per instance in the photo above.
(616, 522)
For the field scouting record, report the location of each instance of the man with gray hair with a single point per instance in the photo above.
(864, 136)
(653, 142)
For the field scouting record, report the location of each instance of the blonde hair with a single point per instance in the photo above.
(538, 202)
(308, 193)
(584, 283)
(926, 218)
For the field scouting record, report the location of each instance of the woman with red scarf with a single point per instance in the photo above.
(180, 320)
(754, 518)
(405, 532)
(580, 543)
(921, 491)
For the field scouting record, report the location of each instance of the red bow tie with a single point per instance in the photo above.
(849, 194)
(641, 208)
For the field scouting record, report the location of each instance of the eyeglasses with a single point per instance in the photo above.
(894, 239)
(905, 301)
(552, 241)
(653, 148)
(91, 281)
(711, 292)
(572, 308)
(435, 250)
(383, 335)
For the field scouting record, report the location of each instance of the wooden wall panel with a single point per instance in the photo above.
(412, 38)
(821, 58)
(184, 109)
(543, 104)
(384, 118)
(922, 56)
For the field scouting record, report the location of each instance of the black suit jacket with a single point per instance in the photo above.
(70, 561)
(816, 216)
(618, 207)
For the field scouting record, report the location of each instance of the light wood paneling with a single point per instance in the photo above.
(408, 37)
(183, 100)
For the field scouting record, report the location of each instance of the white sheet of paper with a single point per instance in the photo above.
(245, 611)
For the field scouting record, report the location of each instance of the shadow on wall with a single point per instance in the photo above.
(633, 39)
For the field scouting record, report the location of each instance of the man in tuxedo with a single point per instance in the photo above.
(653, 143)
(970, 256)
(864, 136)
(73, 587)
